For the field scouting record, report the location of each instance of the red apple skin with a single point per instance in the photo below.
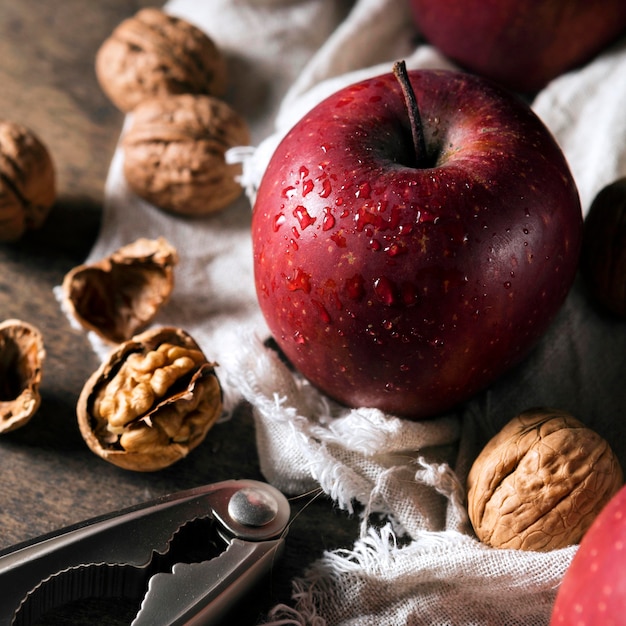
(522, 44)
(411, 288)
(593, 590)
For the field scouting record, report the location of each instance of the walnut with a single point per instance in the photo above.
(153, 53)
(122, 293)
(151, 402)
(174, 153)
(27, 181)
(540, 482)
(603, 255)
(22, 355)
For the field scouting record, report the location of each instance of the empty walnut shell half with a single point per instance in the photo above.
(22, 355)
(603, 255)
(151, 402)
(27, 181)
(174, 153)
(540, 482)
(121, 294)
(154, 53)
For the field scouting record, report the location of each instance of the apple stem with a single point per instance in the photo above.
(415, 120)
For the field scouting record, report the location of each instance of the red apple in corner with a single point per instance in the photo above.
(523, 44)
(409, 278)
(593, 590)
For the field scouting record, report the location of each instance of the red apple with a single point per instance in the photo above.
(408, 281)
(593, 590)
(521, 43)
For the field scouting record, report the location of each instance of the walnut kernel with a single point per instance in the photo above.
(603, 255)
(174, 153)
(22, 355)
(540, 482)
(27, 181)
(153, 53)
(121, 294)
(151, 402)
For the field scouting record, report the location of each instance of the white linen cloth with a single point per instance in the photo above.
(416, 560)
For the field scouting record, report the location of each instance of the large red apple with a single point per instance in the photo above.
(521, 43)
(593, 591)
(408, 281)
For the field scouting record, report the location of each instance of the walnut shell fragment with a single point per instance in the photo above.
(603, 254)
(121, 294)
(22, 355)
(151, 402)
(27, 181)
(540, 482)
(174, 153)
(153, 53)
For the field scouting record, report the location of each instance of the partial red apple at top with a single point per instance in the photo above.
(593, 590)
(522, 44)
(408, 278)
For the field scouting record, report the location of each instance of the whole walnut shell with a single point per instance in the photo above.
(27, 181)
(121, 294)
(603, 254)
(153, 53)
(540, 482)
(174, 153)
(22, 356)
(151, 402)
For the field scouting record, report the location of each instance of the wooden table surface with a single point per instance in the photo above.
(49, 478)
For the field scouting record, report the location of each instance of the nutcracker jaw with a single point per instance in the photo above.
(187, 557)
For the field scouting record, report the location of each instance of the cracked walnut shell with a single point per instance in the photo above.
(22, 355)
(153, 53)
(121, 294)
(174, 153)
(540, 482)
(151, 402)
(27, 181)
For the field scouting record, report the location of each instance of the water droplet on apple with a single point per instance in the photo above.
(303, 217)
(507, 284)
(364, 191)
(326, 189)
(322, 311)
(298, 338)
(300, 280)
(339, 239)
(328, 220)
(375, 245)
(307, 187)
(279, 220)
(404, 367)
(303, 171)
(396, 248)
(385, 291)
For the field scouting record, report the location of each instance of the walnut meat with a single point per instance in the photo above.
(22, 355)
(27, 181)
(151, 402)
(540, 482)
(174, 153)
(122, 293)
(603, 255)
(153, 53)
